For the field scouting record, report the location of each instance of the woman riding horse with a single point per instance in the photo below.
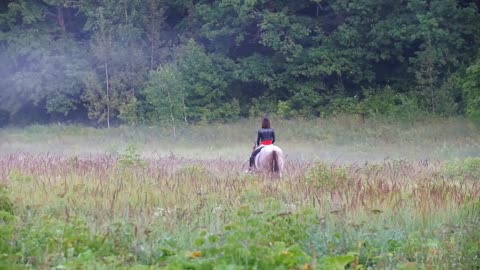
(266, 136)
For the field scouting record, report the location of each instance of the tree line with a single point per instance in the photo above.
(189, 61)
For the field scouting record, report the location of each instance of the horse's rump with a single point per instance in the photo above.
(270, 159)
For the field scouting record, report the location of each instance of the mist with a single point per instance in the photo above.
(337, 140)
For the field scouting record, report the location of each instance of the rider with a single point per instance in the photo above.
(266, 136)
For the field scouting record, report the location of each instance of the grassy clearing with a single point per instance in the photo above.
(134, 198)
(126, 212)
(341, 139)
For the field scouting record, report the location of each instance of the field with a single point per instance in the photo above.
(355, 195)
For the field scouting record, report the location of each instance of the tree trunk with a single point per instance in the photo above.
(108, 94)
(430, 74)
(184, 111)
(60, 19)
(432, 93)
(152, 52)
(173, 125)
(171, 113)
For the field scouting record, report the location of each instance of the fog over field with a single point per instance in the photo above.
(337, 139)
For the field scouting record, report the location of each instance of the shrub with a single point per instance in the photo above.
(471, 87)
(252, 240)
(5, 203)
(325, 177)
(389, 103)
(131, 158)
(469, 167)
(7, 227)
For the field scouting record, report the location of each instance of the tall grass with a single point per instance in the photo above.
(355, 195)
(125, 211)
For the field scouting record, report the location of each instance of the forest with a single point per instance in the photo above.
(154, 62)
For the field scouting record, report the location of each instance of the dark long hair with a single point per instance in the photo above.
(266, 123)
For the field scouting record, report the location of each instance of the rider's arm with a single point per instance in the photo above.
(273, 135)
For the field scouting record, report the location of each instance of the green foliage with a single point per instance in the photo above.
(449, 97)
(283, 33)
(165, 92)
(266, 105)
(205, 78)
(118, 64)
(342, 105)
(469, 167)
(305, 102)
(52, 77)
(338, 262)
(178, 213)
(131, 158)
(284, 110)
(73, 60)
(468, 245)
(386, 102)
(323, 176)
(264, 241)
(472, 90)
(5, 202)
(7, 227)
(71, 244)
(191, 89)
(128, 112)
(17, 176)
(197, 171)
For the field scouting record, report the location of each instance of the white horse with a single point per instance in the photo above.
(270, 159)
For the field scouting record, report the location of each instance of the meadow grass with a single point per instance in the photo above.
(179, 213)
(340, 138)
(127, 208)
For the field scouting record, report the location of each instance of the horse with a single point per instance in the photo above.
(270, 159)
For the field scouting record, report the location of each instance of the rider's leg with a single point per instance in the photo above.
(252, 160)
(252, 157)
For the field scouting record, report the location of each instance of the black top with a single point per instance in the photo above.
(265, 134)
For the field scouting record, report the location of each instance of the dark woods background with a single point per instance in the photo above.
(161, 61)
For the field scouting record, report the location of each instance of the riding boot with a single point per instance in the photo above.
(252, 161)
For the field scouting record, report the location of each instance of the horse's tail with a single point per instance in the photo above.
(274, 161)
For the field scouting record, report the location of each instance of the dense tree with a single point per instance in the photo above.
(165, 93)
(40, 62)
(472, 90)
(165, 61)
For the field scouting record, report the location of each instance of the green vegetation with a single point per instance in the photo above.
(167, 62)
(140, 198)
(91, 213)
(352, 197)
